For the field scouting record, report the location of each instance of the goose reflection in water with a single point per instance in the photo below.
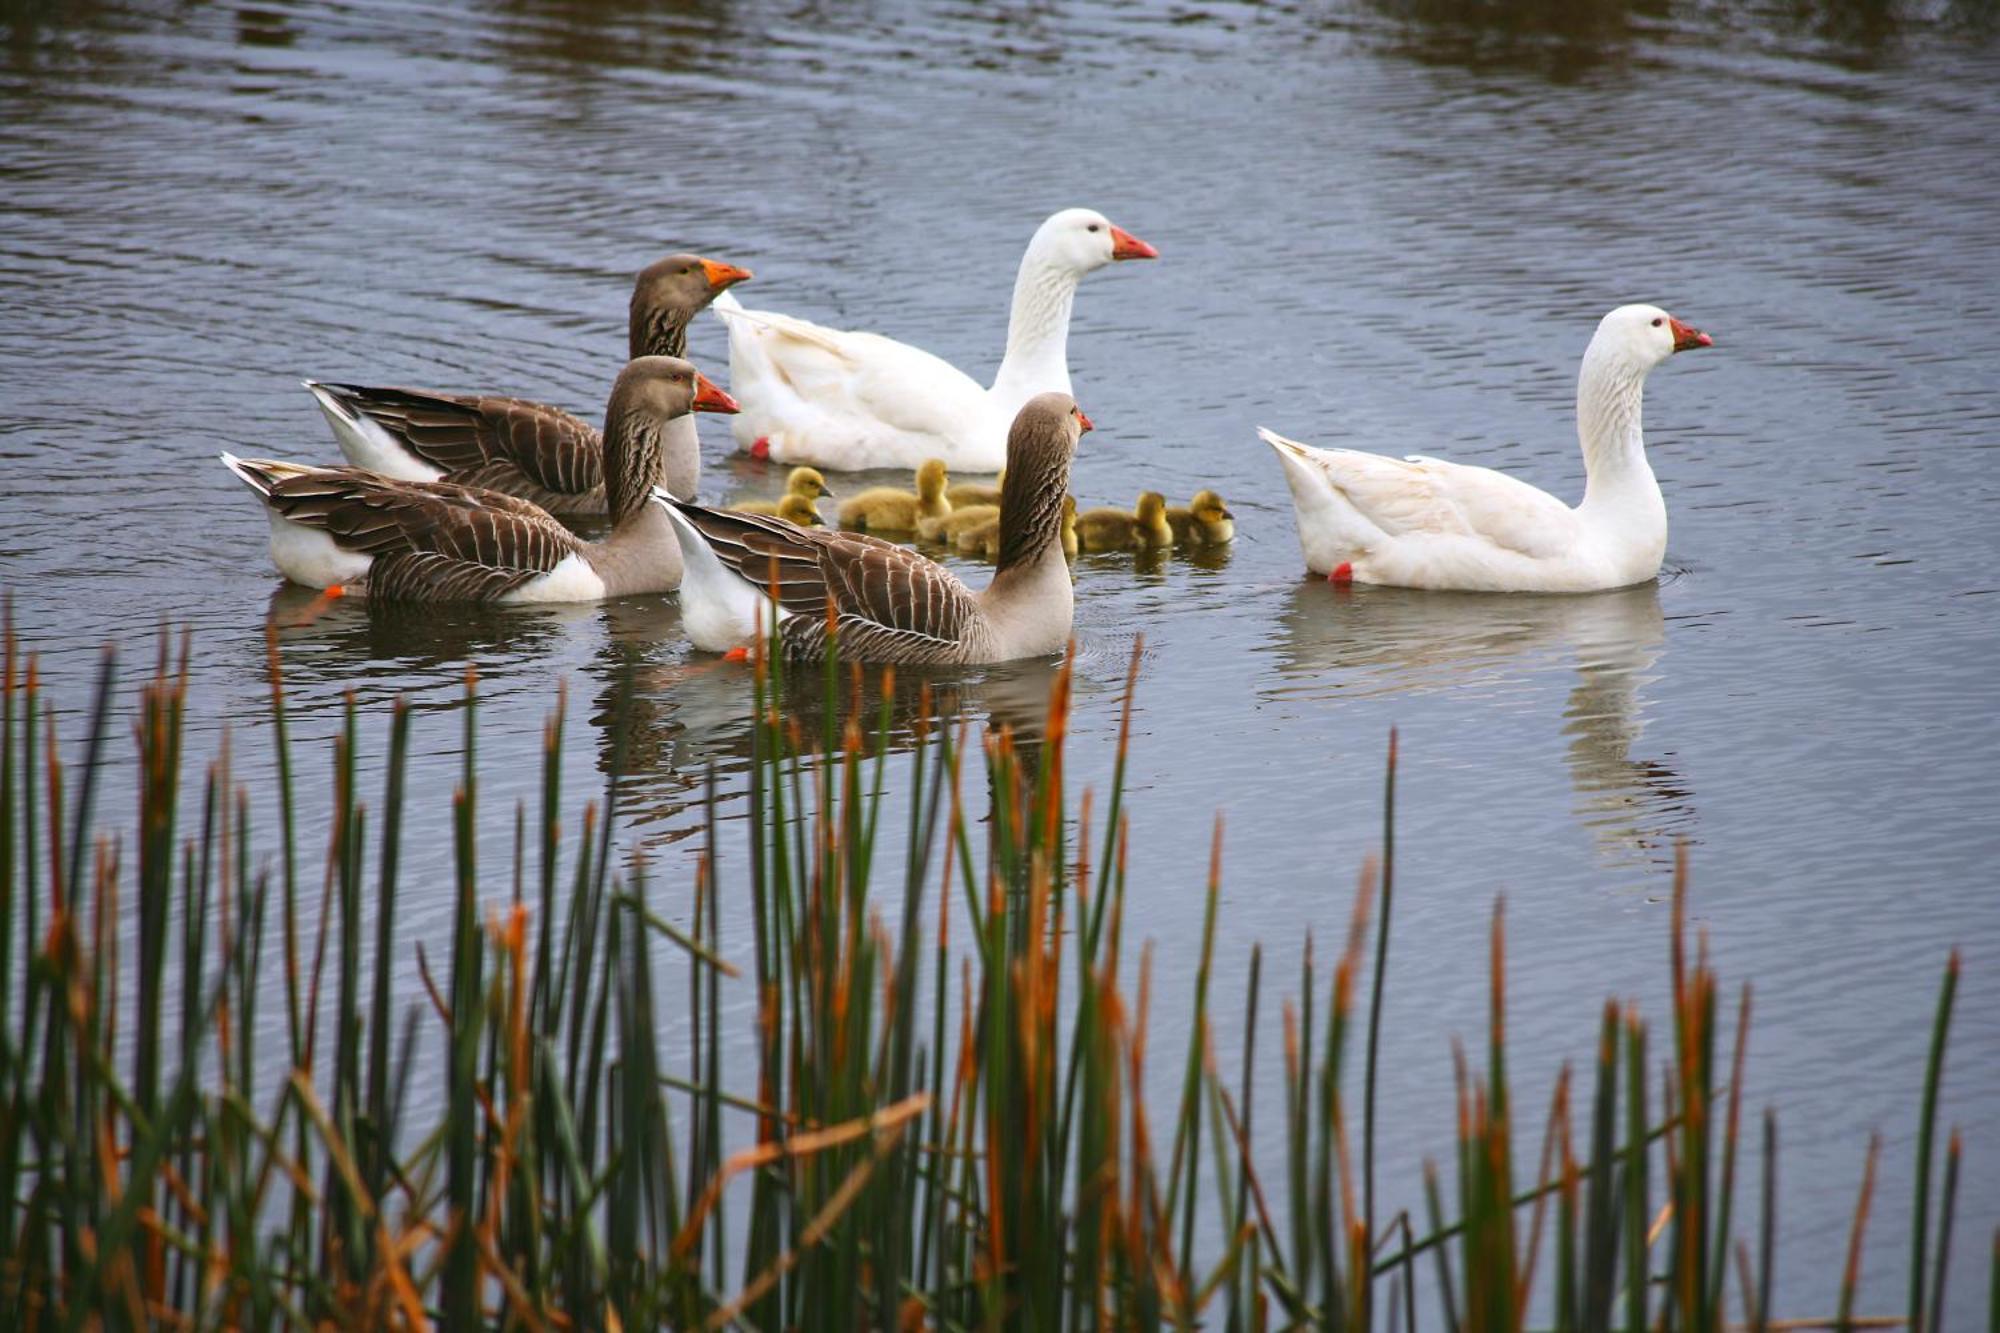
(1374, 642)
(687, 713)
(397, 648)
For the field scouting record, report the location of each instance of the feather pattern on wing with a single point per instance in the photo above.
(502, 438)
(890, 603)
(431, 541)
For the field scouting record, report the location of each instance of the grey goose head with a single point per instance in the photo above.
(649, 392)
(1040, 445)
(669, 293)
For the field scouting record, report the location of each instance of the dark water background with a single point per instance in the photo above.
(1389, 225)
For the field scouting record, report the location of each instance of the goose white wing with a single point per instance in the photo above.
(1418, 495)
(846, 399)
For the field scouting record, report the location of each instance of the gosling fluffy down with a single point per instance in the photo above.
(966, 494)
(945, 528)
(1205, 521)
(1116, 530)
(804, 484)
(886, 509)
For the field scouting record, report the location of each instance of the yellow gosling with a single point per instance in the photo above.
(1116, 530)
(886, 509)
(946, 527)
(1069, 527)
(802, 483)
(797, 509)
(1206, 521)
(982, 539)
(966, 494)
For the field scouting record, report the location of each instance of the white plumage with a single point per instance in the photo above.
(1426, 523)
(848, 400)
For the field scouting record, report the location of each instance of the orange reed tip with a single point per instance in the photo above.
(737, 655)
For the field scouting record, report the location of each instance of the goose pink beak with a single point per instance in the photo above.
(1686, 336)
(708, 398)
(1124, 245)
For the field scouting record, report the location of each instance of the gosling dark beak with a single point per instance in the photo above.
(1227, 514)
(1687, 337)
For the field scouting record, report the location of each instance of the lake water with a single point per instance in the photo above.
(1389, 225)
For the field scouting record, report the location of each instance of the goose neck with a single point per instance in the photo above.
(656, 333)
(633, 454)
(1037, 359)
(1031, 508)
(1609, 396)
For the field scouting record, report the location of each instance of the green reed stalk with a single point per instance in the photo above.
(976, 1173)
(1376, 983)
(1926, 1127)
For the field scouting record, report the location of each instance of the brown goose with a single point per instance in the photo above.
(523, 448)
(438, 541)
(891, 604)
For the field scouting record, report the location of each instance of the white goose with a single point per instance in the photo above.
(1425, 523)
(845, 400)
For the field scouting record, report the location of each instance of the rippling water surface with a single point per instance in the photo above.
(1387, 225)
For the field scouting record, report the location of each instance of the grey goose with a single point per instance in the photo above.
(516, 446)
(886, 602)
(438, 541)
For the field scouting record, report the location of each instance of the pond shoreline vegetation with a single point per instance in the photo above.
(944, 1133)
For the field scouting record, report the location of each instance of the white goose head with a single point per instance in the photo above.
(1642, 336)
(1081, 240)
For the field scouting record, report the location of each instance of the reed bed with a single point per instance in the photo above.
(943, 1132)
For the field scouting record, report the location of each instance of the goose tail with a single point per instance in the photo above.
(719, 608)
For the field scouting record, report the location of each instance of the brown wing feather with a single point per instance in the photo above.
(474, 544)
(463, 433)
(891, 602)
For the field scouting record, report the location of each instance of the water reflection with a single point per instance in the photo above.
(1382, 641)
(1565, 40)
(352, 638)
(1562, 39)
(684, 716)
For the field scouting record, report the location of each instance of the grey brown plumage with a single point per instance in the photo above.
(531, 450)
(891, 603)
(888, 603)
(524, 448)
(444, 541)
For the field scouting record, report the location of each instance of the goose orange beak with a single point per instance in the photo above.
(723, 275)
(1084, 421)
(708, 398)
(1124, 245)
(1687, 337)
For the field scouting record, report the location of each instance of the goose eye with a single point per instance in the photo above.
(1657, 323)
(1093, 226)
